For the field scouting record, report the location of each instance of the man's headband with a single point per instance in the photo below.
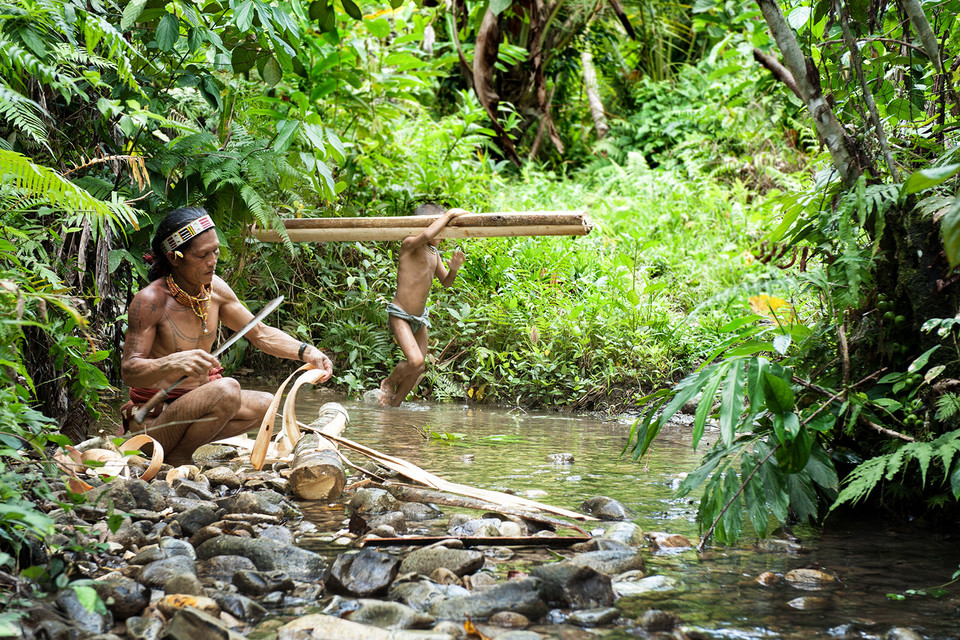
(186, 232)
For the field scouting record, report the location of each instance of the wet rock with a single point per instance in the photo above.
(167, 548)
(809, 603)
(480, 581)
(192, 520)
(170, 604)
(185, 583)
(626, 533)
(606, 509)
(394, 519)
(282, 535)
(590, 618)
(509, 620)
(156, 574)
(442, 575)
(208, 454)
(611, 562)
(81, 617)
(223, 476)
(664, 540)
(267, 555)
(239, 606)
(180, 504)
(421, 594)
(451, 629)
(363, 574)
(625, 588)
(186, 471)
(193, 624)
(462, 525)
(303, 594)
(522, 596)
(775, 545)
(560, 458)
(143, 628)
(498, 554)
(600, 544)
(319, 625)
(811, 579)
(250, 502)
(116, 492)
(258, 583)
(656, 620)
(428, 559)
(123, 596)
(768, 578)
(205, 533)
(573, 585)
(193, 490)
(390, 615)
(509, 529)
(222, 568)
(128, 536)
(371, 501)
(520, 634)
(902, 633)
(419, 512)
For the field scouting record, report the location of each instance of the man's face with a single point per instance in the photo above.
(199, 261)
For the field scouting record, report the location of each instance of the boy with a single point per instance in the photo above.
(407, 315)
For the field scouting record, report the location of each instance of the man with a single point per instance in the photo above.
(172, 325)
(418, 263)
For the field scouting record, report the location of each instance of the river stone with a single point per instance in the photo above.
(509, 620)
(663, 540)
(370, 501)
(775, 545)
(80, 616)
(589, 618)
(194, 489)
(574, 585)
(427, 560)
(156, 574)
(169, 604)
(522, 596)
(250, 502)
(421, 594)
(267, 555)
(192, 520)
(811, 579)
(123, 596)
(144, 628)
(474, 527)
(366, 573)
(166, 548)
(319, 625)
(394, 519)
(627, 533)
(625, 588)
(560, 458)
(205, 533)
(600, 544)
(128, 536)
(390, 615)
(193, 624)
(116, 492)
(419, 512)
(520, 634)
(612, 562)
(810, 603)
(239, 606)
(768, 578)
(902, 633)
(278, 533)
(185, 583)
(223, 476)
(606, 509)
(210, 453)
(656, 620)
(258, 583)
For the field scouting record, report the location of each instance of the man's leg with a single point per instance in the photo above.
(407, 384)
(218, 409)
(413, 365)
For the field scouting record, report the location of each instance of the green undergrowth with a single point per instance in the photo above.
(587, 321)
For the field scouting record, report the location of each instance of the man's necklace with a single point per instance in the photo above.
(200, 304)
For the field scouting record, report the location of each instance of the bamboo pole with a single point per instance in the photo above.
(470, 225)
(316, 470)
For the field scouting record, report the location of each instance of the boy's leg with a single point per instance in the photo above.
(407, 384)
(413, 365)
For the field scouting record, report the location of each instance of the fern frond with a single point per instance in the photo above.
(948, 406)
(24, 115)
(862, 481)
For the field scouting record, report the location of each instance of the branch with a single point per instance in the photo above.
(927, 38)
(779, 71)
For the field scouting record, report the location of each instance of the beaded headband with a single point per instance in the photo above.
(186, 232)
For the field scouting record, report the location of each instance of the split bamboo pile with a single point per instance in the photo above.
(469, 225)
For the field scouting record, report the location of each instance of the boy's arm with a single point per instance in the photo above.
(446, 277)
(431, 232)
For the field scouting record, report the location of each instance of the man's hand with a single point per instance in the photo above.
(192, 363)
(457, 259)
(319, 359)
(455, 212)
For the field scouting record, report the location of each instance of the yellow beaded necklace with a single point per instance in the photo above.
(200, 304)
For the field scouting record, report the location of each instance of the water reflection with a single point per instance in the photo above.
(507, 451)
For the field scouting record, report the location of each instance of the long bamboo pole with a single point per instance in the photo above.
(471, 225)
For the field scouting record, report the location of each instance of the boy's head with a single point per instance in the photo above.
(430, 209)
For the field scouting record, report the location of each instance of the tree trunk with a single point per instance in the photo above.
(317, 472)
(593, 94)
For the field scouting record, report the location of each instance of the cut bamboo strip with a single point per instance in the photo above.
(469, 225)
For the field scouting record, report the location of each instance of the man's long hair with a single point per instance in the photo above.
(171, 223)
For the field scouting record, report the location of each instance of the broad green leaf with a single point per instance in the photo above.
(774, 486)
(733, 325)
(352, 9)
(89, 599)
(931, 375)
(781, 342)
(731, 402)
(379, 28)
(286, 129)
(785, 425)
(499, 6)
(930, 177)
(821, 470)
(168, 32)
(803, 497)
(793, 457)
(798, 17)
(777, 393)
(950, 228)
(704, 406)
(131, 12)
(317, 9)
(753, 494)
(272, 73)
(921, 360)
(243, 58)
(755, 395)
(243, 15)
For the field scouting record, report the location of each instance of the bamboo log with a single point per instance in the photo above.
(469, 225)
(317, 472)
(478, 541)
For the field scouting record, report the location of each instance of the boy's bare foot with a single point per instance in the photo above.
(386, 394)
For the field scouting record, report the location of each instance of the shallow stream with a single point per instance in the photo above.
(716, 591)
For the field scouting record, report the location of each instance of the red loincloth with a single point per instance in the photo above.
(140, 396)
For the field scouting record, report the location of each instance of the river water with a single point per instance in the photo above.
(716, 591)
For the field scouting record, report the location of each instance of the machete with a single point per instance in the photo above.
(161, 395)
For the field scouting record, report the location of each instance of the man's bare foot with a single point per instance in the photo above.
(386, 394)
